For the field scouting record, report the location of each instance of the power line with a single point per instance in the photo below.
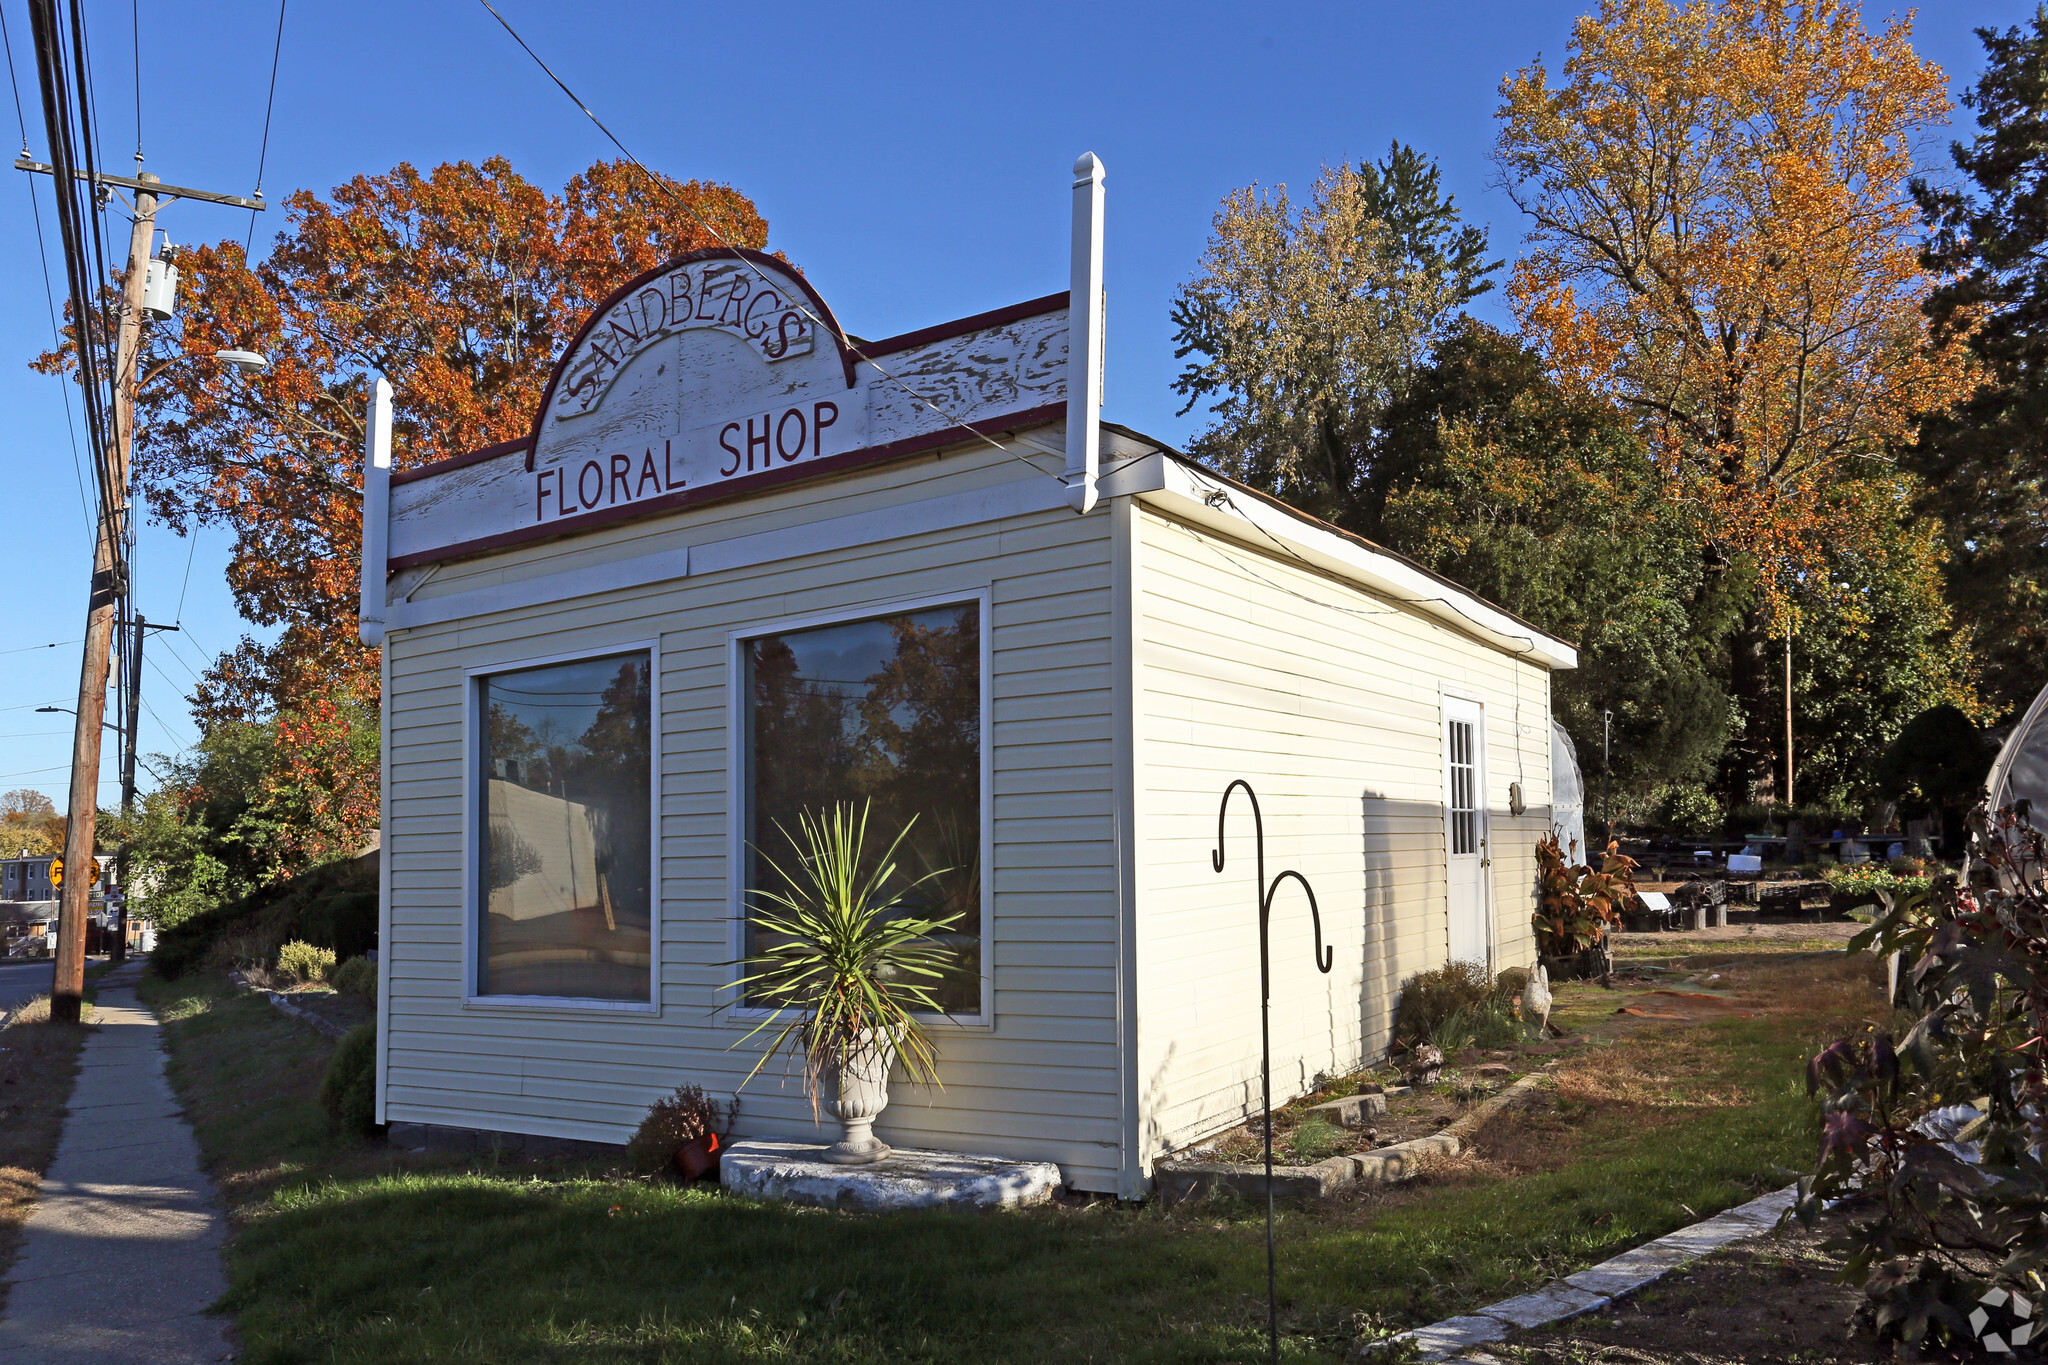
(663, 185)
(55, 644)
(263, 153)
(43, 259)
(160, 673)
(31, 772)
(178, 616)
(162, 724)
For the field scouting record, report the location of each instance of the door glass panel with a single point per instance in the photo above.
(1464, 810)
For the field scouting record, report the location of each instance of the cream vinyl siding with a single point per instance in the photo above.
(1040, 1080)
(1330, 703)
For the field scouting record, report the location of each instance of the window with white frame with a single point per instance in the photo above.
(882, 713)
(563, 865)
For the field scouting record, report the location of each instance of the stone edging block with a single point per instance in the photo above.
(284, 1006)
(793, 1171)
(1381, 1166)
(1598, 1286)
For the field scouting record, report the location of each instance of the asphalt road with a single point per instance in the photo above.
(21, 981)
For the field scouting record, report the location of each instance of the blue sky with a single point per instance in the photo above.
(911, 158)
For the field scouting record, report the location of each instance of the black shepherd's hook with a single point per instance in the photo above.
(1324, 957)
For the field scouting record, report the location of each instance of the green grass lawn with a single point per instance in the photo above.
(346, 1252)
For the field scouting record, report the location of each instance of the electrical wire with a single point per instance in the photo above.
(57, 644)
(151, 661)
(43, 259)
(662, 184)
(263, 153)
(162, 724)
(178, 616)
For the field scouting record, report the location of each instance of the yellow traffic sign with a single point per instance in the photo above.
(57, 872)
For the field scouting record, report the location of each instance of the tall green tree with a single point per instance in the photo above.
(1307, 325)
(1986, 462)
(1544, 499)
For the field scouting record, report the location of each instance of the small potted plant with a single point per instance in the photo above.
(685, 1131)
(1577, 908)
(845, 965)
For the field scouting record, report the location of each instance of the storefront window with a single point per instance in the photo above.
(886, 712)
(563, 862)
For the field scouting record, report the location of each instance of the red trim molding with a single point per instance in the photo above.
(455, 462)
(842, 463)
(980, 322)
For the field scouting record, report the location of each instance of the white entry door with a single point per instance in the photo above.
(1465, 829)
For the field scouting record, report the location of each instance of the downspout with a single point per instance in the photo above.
(376, 511)
(1085, 325)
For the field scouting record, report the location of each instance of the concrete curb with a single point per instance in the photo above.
(304, 1016)
(1381, 1166)
(1456, 1339)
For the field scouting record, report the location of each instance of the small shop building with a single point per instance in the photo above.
(747, 565)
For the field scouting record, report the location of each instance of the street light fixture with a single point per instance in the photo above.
(248, 362)
(52, 710)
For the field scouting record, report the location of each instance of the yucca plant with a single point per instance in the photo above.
(844, 969)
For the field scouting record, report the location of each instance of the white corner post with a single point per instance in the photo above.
(376, 510)
(1085, 326)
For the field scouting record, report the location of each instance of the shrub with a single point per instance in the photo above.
(1313, 1139)
(1430, 999)
(304, 961)
(333, 905)
(1940, 1129)
(676, 1119)
(1872, 877)
(1576, 906)
(1689, 810)
(357, 976)
(348, 1091)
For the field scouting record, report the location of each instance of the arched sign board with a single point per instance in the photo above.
(717, 373)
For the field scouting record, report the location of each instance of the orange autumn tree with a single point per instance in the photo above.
(460, 286)
(1722, 240)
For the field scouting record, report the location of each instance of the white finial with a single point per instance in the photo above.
(376, 511)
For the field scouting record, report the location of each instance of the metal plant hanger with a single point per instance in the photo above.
(1324, 957)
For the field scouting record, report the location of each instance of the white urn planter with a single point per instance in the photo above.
(860, 1093)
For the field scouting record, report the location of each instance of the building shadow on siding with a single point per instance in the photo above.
(1379, 968)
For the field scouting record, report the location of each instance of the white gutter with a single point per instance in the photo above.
(1085, 307)
(1194, 497)
(376, 511)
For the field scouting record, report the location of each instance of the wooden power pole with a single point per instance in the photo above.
(114, 448)
(109, 569)
(1788, 716)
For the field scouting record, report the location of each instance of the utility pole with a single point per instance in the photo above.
(1606, 738)
(132, 665)
(113, 449)
(109, 574)
(1788, 716)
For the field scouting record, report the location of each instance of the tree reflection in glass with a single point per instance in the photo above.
(886, 711)
(564, 858)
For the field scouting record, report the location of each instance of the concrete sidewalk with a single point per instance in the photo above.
(123, 1253)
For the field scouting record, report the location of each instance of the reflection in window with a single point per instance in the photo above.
(564, 861)
(886, 711)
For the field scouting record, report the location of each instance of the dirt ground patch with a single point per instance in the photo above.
(1769, 936)
(1774, 1299)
